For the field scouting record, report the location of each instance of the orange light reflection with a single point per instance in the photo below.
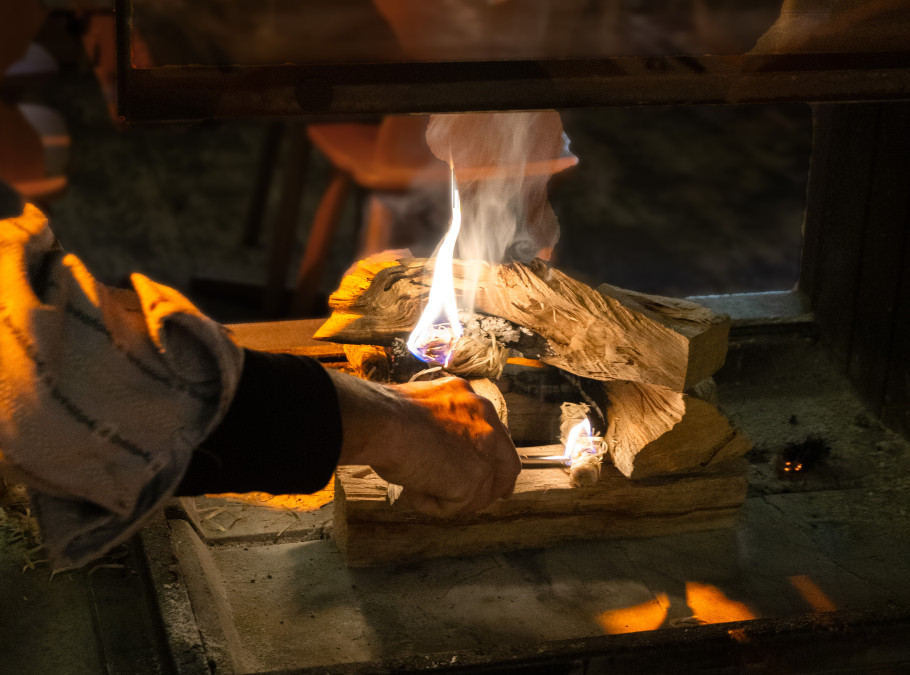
(812, 594)
(709, 604)
(648, 615)
(301, 503)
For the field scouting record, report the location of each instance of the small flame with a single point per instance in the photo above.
(579, 442)
(438, 329)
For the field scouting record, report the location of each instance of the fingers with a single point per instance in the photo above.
(457, 456)
(504, 459)
(439, 507)
(507, 466)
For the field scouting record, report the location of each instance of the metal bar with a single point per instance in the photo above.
(123, 24)
(318, 92)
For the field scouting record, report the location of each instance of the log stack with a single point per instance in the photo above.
(644, 363)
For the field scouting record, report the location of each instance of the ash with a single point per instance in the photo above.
(400, 348)
(482, 328)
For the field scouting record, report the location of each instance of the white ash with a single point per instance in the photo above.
(400, 348)
(491, 328)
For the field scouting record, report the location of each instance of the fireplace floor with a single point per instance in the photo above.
(815, 576)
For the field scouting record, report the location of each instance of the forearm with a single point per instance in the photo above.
(282, 433)
(372, 413)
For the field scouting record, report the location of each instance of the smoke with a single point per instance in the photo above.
(502, 164)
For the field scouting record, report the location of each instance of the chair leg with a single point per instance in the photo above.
(319, 243)
(282, 245)
(378, 234)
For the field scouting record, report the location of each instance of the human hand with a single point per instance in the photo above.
(439, 440)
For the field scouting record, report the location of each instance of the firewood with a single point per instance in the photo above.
(603, 334)
(704, 491)
(544, 510)
(655, 431)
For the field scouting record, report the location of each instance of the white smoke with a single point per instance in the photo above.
(502, 164)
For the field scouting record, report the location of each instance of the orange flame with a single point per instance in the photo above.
(438, 329)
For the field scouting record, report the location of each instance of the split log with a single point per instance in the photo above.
(655, 431)
(603, 334)
(544, 510)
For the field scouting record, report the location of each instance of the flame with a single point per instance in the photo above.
(438, 329)
(579, 442)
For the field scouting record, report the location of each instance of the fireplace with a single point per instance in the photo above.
(816, 377)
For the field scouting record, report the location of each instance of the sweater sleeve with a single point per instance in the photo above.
(282, 433)
(105, 393)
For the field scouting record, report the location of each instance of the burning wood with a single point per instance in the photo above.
(640, 365)
(603, 334)
(627, 357)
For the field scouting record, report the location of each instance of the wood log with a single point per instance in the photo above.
(544, 510)
(655, 431)
(603, 334)
(286, 337)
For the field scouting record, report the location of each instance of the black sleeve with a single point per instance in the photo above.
(281, 434)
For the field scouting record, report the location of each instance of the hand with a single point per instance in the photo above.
(439, 440)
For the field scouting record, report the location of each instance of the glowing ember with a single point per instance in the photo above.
(438, 329)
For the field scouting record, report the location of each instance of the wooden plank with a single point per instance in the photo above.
(544, 510)
(878, 285)
(286, 337)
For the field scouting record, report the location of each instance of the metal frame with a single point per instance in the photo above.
(318, 91)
